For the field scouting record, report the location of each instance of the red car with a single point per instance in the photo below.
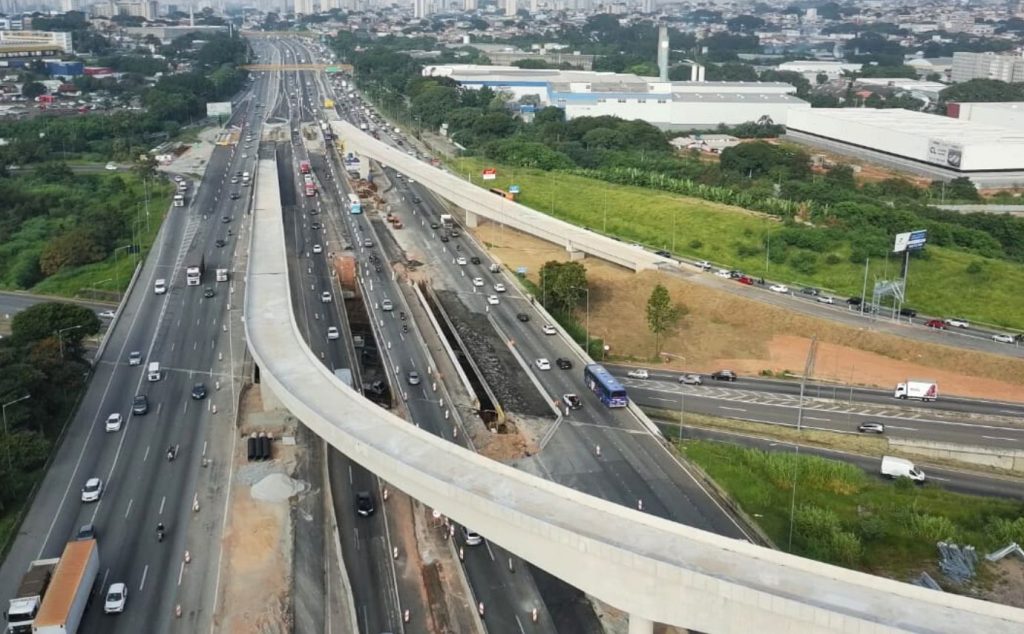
(936, 323)
(745, 279)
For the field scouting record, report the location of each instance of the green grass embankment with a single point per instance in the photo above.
(942, 283)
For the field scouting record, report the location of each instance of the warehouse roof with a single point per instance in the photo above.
(736, 97)
(926, 125)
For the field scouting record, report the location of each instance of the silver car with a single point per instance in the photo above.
(690, 379)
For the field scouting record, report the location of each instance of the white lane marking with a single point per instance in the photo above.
(142, 584)
(733, 409)
(1001, 438)
(106, 574)
(901, 428)
(181, 572)
(827, 420)
(163, 501)
(145, 456)
(128, 510)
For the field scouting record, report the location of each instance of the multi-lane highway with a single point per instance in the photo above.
(187, 331)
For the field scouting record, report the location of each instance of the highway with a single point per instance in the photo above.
(189, 335)
(959, 421)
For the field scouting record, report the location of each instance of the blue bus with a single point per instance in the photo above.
(354, 206)
(605, 386)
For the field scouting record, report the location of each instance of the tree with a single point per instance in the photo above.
(662, 315)
(32, 89)
(42, 321)
(563, 285)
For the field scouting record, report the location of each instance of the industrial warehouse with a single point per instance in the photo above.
(931, 145)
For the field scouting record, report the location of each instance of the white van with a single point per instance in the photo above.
(154, 371)
(893, 467)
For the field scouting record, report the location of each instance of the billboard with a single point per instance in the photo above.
(945, 153)
(218, 108)
(489, 174)
(910, 241)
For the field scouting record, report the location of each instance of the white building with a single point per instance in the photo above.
(1009, 114)
(680, 105)
(54, 39)
(927, 144)
(968, 66)
(812, 68)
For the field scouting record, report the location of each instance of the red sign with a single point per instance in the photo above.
(490, 174)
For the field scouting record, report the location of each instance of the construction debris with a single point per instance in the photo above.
(958, 563)
(1006, 550)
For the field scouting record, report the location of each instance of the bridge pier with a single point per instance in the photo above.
(472, 220)
(640, 625)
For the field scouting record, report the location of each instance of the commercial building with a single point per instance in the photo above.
(968, 66)
(930, 145)
(504, 55)
(812, 68)
(670, 105)
(167, 34)
(1008, 114)
(50, 39)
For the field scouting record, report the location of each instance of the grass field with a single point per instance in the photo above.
(939, 282)
(846, 517)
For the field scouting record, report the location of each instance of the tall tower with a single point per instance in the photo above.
(510, 8)
(469, 5)
(662, 51)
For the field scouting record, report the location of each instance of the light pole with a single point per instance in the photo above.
(60, 337)
(682, 401)
(117, 271)
(7, 434)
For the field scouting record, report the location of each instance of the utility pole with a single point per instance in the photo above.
(812, 353)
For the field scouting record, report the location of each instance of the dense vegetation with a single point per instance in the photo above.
(41, 359)
(847, 517)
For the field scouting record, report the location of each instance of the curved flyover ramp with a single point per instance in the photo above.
(656, 570)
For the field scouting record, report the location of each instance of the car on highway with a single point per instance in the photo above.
(461, 261)
(364, 504)
(779, 288)
(825, 299)
(908, 312)
(572, 401)
(413, 377)
(523, 317)
(663, 253)
(160, 287)
(871, 427)
(703, 265)
(140, 405)
(548, 329)
(225, 219)
(957, 322)
(235, 195)
(809, 290)
(234, 180)
(114, 422)
(208, 291)
(318, 248)
(368, 243)
(107, 314)
(434, 225)
(936, 323)
(746, 280)
(723, 273)
(638, 373)
(112, 166)
(723, 375)
(92, 490)
(690, 379)
(499, 288)
(387, 304)
(199, 391)
(315, 226)
(563, 363)
(135, 358)
(478, 281)
(117, 596)
(492, 300)
(325, 297)
(219, 242)
(85, 531)
(542, 364)
(332, 332)
(474, 260)
(1003, 338)
(471, 537)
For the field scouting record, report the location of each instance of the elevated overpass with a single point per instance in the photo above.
(654, 569)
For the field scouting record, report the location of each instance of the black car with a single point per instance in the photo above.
(219, 242)
(808, 290)
(854, 301)
(416, 199)
(563, 363)
(723, 375)
(199, 391)
(735, 275)
(444, 238)
(364, 504)
(208, 291)
(314, 226)
(663, 253)
(225, 219)
(434, 225)
(86, 531)
(523, 317)
(235, 195)
(140, 405)
(908, 312)
(474, 260)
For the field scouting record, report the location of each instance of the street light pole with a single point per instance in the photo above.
(682, 397)
(7, 433)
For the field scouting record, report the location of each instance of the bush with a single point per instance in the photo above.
(696, 244)
(745, 250)
(832, 259)
(805, 262)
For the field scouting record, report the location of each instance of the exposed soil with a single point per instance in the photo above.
(723, 330)
(1009, 587)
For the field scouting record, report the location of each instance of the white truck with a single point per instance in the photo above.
(246, 179)
(922, 390)
(222, 275)
(893, 467)
(24, 606)
(179, 200)
(447, 220)
(70, 589)
(194, 273)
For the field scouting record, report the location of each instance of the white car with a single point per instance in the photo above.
(478, 281)
(639, 373)
(1003, 338)
(704, 265)
(826, 299)
(317, 248)
(723, 273)
(461, 261)
(387, 305)
(112, 166)
(325, 297)
(542, 364)
(92, 490)
(958, 322)
(135, 358)
(690, 379)
(117, 596)
(548, 329)
(107, 314)
(160, 286)
(492, 300)
(332, 332)
(499, 288)
(114, 422)
(779, 288)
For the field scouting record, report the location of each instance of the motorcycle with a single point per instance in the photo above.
(160, 532)
(172, 453)
(405, 328)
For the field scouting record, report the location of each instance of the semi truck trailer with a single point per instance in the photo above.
(70, 589)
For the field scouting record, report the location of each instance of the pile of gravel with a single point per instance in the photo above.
(277, 487)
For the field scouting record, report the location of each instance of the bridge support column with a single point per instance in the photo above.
(640, 625)
(574, 253)
(472, 220)
(364, 168)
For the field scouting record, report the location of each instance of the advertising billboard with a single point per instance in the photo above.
(910, 241)
(945, 153)
(490, 174)
(218, 108)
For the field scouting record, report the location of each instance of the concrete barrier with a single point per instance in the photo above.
(1005, 459)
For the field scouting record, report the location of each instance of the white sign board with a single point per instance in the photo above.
(945, 153)
(218, 108)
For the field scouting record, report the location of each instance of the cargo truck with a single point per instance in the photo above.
(917, 389)
(24, 606)
(222, 275)
(70, 589)
(194, 273)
